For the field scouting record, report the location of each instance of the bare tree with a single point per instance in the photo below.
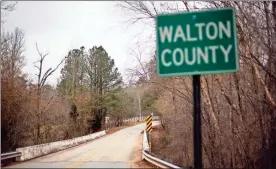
(6, 7)
(41, 79)
(13, 89)
(239, 109)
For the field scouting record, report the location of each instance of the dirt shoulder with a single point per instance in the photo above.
(136, 159)
(158, 147)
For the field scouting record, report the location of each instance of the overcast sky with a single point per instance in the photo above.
(58, 27)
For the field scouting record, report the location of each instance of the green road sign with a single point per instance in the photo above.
(203, 42)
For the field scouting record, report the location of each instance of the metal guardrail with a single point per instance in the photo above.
(8, 155)
(156, 161)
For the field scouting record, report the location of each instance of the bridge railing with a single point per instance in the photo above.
(10, 155)
(142, 118)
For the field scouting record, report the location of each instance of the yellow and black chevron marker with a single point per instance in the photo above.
(149, 123)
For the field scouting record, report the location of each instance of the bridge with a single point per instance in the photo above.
(108, 151)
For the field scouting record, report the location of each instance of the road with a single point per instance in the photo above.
(110, 151)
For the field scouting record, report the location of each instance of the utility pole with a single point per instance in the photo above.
(139, 100)
(138, 90)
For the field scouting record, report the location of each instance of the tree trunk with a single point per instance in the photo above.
(37, 141)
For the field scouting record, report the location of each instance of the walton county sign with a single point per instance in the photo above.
(192, 43)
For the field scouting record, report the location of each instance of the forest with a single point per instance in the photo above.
(238, 109)
(89, 89)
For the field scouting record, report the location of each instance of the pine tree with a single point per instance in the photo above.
(72, 75)
(104, 79)
(93, 71)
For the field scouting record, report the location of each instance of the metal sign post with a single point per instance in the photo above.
(197, 123)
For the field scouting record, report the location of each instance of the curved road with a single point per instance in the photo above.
(110, 151)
